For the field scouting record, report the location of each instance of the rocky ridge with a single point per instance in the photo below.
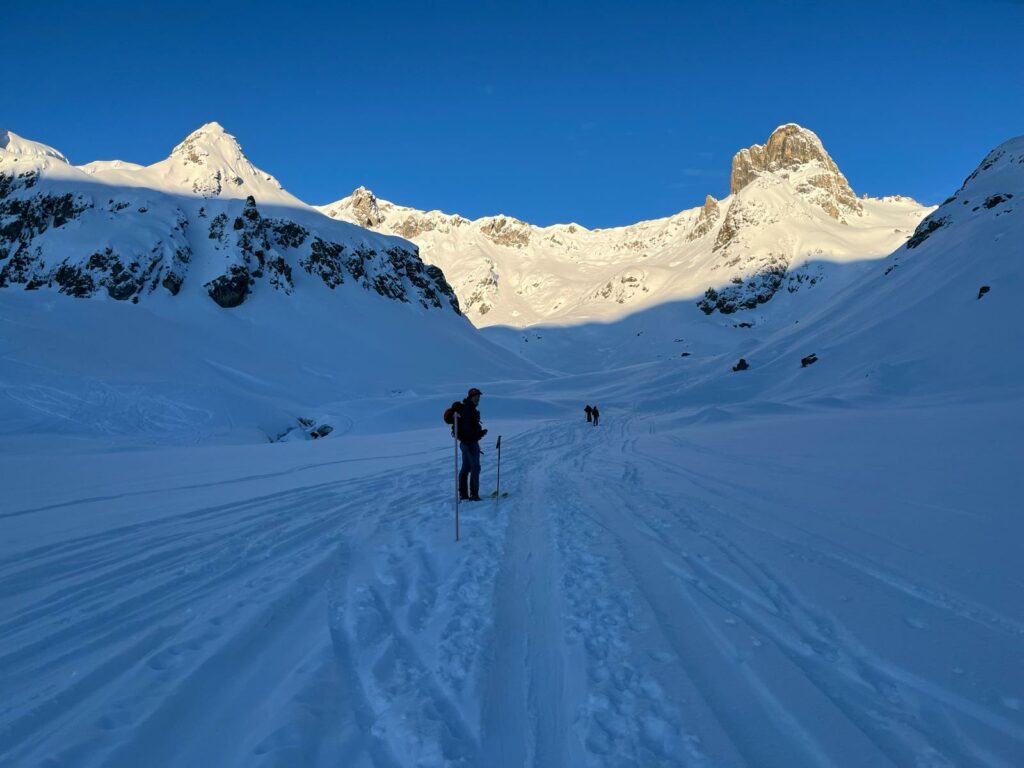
(789, 207)
(986, 196)
(204, 217)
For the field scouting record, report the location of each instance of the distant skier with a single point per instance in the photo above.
(590, 413)
(470, 432)
(596, 414)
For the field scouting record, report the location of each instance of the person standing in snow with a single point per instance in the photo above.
(469, 433)
(596, 413)
(590, 413)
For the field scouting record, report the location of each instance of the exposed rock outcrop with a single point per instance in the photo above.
(230, 289)
(789, 148)
(29, 213)
(925, 229)
(506, 231)
(709, 216)
(365, 209)
(124, 229)
(249, 255)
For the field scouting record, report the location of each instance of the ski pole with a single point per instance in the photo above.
(455, 435)
(497, 488)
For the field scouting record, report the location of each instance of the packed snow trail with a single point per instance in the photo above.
(649, 594)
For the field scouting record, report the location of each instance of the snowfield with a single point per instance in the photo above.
(816, 586)
(803, 563)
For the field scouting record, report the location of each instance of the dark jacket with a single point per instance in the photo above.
(470, 430)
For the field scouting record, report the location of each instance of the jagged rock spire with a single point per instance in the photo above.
(791, 147)
(364, 207)
(709, 215)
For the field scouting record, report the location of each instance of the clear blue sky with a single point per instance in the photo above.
(597, 112)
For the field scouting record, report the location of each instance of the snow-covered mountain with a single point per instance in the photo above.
(940, 313)
(237, 309)
(205, 219)
(936, 315)
(789, 204)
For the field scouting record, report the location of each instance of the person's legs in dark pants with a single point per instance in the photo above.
(470, 471)
(469, 475)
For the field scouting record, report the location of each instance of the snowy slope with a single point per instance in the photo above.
(936, 316)
(185, 371)
(236, 311)
(789, 204)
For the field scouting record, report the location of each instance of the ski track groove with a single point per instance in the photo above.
(773, 724)
(869, 696)
(867, 570)
(265, 535)
(386, 598)
(850, 561)
(523, 687)
(627, 718)
(234, 555)
(219, 483)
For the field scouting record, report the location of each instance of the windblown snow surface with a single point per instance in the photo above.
(781, 566)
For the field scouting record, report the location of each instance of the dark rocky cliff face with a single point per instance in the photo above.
(157, 249)
(28, 213)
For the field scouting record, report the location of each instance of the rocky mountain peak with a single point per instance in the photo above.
(208, 143)
(210, 162)
(789, 146)
(792, 148)
(364, 208)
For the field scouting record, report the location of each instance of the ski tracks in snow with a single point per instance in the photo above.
(448, 642)
(617, 609)
(409, 634)
(628, 713)
(181, 641)
(718, 600)
(515, 647)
